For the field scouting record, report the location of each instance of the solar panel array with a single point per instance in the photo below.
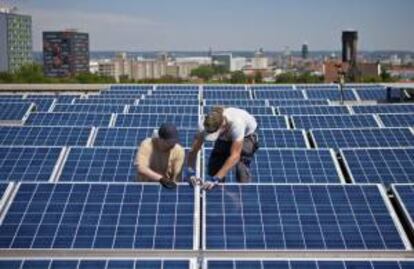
(14, 111)
(72, 160)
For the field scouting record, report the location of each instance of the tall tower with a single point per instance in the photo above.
(349, 46)
(305, 51)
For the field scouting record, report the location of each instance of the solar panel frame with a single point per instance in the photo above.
(172, 96)
(283, 138)
(397, 120)
(298, 102)
(20, 163)
(97, 263)
(313, 110)
(334, 121)
(372, 94)
(383, 109)
(41, 192)
(253, 110)
(168, 102)
(155, 120)
(69, 119)
(310, 169)
(235, 102)
(272, 122)
(131, 87)
(377, 169)
(362, 138)
(42, 104)
(227, 94)
(224, 87)
(271, 87)
(44, 136)
(381, 193)
(15, 112)
(89, 108)
(404, 203)
(141, 109)
(279, 95)
(121, 101)
(333, 95)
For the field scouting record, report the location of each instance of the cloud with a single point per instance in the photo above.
(106, 30)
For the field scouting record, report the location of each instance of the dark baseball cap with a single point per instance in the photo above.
(169, 133)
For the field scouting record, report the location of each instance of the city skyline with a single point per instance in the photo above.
(236, 25)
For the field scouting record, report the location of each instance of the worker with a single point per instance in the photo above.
(160, 158)
(236, 141)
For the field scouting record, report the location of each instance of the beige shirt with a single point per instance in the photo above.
(169, 164)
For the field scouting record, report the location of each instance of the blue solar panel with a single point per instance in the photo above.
(99, 165)
(397, 120)
(100, 216)
(172, 96)
(68, 119)
(108, 101)
(372, 94)
(363, 138)
(123, 94)
(290, 166)
(272, 88)
(44, 136)
(176, 91)
(176, 87)
(155, 120)
(132, 137)
(390, 165)
(282, 95)
(318, 87)
(42, 104)
(28, 163)
(384, 109)
(309, 264)
(223, 88)
(141, 109)
(312, 110)
(168, 102)
(131, 87)
(334, 121)
(271, 122)
(299, 102)
(235, 102)
(8, 97)
(274, 138)
(299, 217)
(254, 110)
(89, 108)
(3, 187)
(226, 94)
(330, 94)
(94, 264)
(14, 111)
(404, 194)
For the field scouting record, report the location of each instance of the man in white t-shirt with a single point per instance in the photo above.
(234, 133)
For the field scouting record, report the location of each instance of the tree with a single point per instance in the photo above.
(205, 72)
(258, 78)
(238, 77)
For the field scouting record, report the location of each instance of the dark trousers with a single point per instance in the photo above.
(221, 153)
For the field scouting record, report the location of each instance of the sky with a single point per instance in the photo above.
(148, 25)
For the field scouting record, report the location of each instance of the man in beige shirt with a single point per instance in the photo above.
(161, 158)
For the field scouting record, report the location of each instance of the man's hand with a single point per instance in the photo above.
(190, 177)
(210, 183)
(168, 183)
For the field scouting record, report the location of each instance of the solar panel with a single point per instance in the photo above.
(397, 120)
(109, 101)
(363, 138)
(118, 95)
(3, 188)
(272, 122)
(172, 96)
(290, 166)
(404, 194)
(254, 110)
(176, 87)
(308, 264)
(28, 163)
(272, 88)
(312, 110)
(281, 95)
(68, 119)
(10, 97)
(223, 88)
(388, 165)
(99, 165)
(14, 111)
(141, 109)
(333, 121)
(300, 102)
(100, 216)
(66, 99)
(131, 87)
(42, 104)
(384, 109)
(89, 108)
(372, 94)
(301, 217)
(168, 102)
(44, 136)
(95, 264)
(330, 94)
(177, 91)
(226, 94)
(275, 138)
(318, 87)
(131, 137)
(155, 120)
(235, 102)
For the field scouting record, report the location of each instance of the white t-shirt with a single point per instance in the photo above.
(240, 122)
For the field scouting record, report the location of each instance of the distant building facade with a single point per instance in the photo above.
(332, 67)
(65, 53)
(349, 46)
(305, 51)
(222, 59)
(15, 40)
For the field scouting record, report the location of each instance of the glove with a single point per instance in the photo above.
(210, 183)
(190, 177)
(168, 183)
